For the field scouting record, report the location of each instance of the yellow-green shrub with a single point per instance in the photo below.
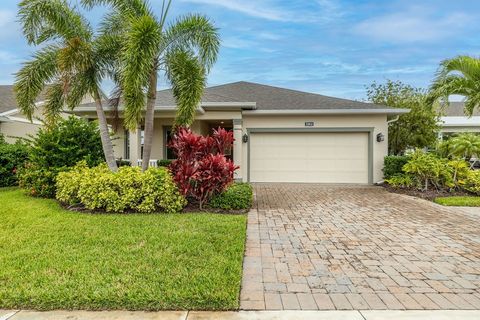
(472, 182)
(129, 189)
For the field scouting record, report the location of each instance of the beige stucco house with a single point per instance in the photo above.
(281, 135)
(13, 124)
(455, 121)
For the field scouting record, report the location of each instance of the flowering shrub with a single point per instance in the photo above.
(129, 189)
(201, 169)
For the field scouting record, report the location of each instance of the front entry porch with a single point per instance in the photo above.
(129, 144)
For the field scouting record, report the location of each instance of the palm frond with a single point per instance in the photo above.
(468, 67)
(55, 102)
(188, 78)
(138, 59)
(44, 20)
(79, 86)
(34, 76)
(195, 33)
(131, 7)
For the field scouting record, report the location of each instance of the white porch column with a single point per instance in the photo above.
(135, 146)
(237, 147)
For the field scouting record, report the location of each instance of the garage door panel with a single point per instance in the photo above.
(309, 157)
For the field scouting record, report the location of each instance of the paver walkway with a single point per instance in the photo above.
(338, 247)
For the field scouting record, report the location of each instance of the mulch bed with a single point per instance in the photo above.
(427, 195)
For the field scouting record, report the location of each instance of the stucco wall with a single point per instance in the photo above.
(378, 122)
(14, 130)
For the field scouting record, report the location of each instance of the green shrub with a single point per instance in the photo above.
(12, 158)
(69, 142)
(472, 182)
(460, 170)
(428, 169)
(401, 181)
(392, 165)
(237, 196)
(164, 163)
(38, 181)
(57, 148)
(129, 189)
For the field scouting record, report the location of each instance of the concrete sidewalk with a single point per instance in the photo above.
(242, 315)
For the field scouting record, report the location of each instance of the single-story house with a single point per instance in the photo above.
(13, 124)
(281, 135)
(454, 120)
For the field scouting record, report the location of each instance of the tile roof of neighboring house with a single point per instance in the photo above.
(7, 98)
(456, 109)
(269, 98)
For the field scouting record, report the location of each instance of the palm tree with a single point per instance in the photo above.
(70, 66)
(466, 145)
(183, 51)
(461, 76)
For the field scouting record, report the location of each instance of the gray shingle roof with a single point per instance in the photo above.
(270, 98)
(7, 98)
(456, 109)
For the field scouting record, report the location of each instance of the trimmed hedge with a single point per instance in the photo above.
(392, 165)
(238, 196)
(12, 158)
(129, 189)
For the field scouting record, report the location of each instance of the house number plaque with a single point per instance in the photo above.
(309, 124)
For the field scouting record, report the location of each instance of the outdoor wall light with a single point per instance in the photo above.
(245, 138)
(380, 137)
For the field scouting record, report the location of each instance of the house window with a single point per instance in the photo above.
(167, 137)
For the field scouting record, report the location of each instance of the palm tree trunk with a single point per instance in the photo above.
(104, 134)
(149, 119)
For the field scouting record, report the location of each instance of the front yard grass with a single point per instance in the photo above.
(467, 201)
(51, 258)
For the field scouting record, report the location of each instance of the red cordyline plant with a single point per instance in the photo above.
(201, 169)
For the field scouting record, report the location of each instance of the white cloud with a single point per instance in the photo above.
(416, 24)
(237, 43)
(325, 10)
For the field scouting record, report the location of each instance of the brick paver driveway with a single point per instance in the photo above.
(341, 247)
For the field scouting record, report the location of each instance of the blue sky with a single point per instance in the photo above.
(324, 46)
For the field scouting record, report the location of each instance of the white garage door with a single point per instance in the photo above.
(309, 157)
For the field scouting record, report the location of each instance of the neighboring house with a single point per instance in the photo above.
(281, 135)
(454, 120)
(13, 124)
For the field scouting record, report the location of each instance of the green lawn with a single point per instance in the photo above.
(51, 258)
(459, 201)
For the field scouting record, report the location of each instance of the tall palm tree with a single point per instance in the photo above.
(183, 51)
(70, 65)
(460, 76)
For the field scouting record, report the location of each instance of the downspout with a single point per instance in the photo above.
(393, 120)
